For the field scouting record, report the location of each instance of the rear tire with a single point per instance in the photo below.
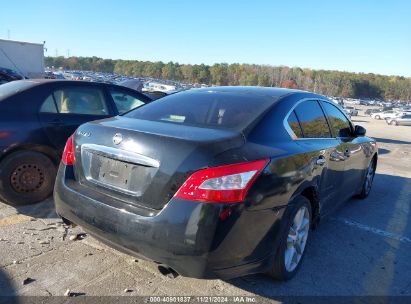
(377, 117)
(291, 250)
(26, 177)
(368, 180)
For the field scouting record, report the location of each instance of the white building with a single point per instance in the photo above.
(25, 58)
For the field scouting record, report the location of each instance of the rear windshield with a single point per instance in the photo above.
(13, 87)
(205, 109)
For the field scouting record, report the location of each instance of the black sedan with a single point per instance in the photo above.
(37, 117)
(217, 182)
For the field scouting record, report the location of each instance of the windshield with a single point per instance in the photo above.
(13, 87)
(205, 109)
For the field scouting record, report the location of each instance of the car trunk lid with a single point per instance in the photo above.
(145, 162)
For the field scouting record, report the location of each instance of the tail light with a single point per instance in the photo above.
(68, 153)
(224, 184)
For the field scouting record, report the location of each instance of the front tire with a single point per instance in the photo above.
(26, 177)
(291, 250)
(377, 117)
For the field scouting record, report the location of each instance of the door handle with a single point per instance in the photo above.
(320, 161)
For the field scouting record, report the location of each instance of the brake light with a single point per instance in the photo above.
(68, 153)
(224, 184)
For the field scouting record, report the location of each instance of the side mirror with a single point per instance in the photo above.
(359, 131)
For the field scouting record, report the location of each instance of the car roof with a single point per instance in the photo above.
(252, 90)
(30, 83)
(36, 82)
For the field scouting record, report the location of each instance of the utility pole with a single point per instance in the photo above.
(8, 34)
(68, 53)
(57, 53)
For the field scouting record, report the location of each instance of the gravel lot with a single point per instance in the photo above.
(364, 248)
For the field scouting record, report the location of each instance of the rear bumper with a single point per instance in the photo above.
(189, 237)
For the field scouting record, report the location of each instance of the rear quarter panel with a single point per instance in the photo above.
(19, 125)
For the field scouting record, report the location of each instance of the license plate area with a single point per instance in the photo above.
(119, 175)
(112, 172)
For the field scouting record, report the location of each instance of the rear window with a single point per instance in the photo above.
(205, 109)
(13, 87)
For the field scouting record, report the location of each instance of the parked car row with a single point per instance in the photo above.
(395, 116)
(385, 114)
(371, 111)
(351, 111)
(403, 120)
(391, 114)
(115, 78)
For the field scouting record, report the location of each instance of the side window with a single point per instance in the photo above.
(125, 102)
(295, 125)
(48, 105)
(312, 120)
(340, 125)
(76, 100)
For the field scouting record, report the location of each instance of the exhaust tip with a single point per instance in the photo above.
(67, 222)
(167, 271)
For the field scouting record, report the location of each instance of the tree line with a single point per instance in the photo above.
(331, 83)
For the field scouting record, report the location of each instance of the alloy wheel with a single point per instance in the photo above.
(369, 177)
(297, 239)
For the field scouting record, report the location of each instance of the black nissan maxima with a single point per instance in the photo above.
(216, 182)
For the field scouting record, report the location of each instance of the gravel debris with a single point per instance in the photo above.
(78, 236)
(28, 281)
(47, 228)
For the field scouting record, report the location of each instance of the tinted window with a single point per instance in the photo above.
(125, 102)
(205, 109)
(340, 125)
(294, 124)
(312, 120)
(88, 101)
(48, 105)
